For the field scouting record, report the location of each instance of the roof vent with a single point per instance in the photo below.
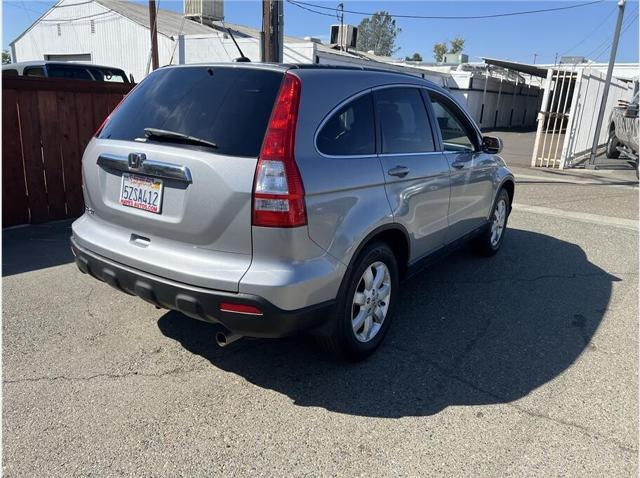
(204, 9)
(345, 36)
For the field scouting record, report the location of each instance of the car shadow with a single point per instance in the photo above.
(36, 247)
(467, 331)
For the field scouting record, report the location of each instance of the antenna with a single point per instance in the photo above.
(242, 59)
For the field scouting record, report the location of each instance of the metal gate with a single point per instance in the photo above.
(567, 119)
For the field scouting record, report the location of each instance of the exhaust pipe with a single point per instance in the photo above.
(225, 338)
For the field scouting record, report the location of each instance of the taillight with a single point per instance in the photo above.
(278, 193)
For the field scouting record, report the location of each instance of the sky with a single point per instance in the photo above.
(584, 31)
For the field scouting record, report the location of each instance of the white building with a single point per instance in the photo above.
(116, 33)
(104, 32)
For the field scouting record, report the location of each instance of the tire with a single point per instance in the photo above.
(351, 342)
(487, 244)
(612, 144)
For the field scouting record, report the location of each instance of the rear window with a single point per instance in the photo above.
(64, 71)
(226, 106)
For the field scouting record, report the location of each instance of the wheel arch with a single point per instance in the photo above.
(509, 185)
(395, 236)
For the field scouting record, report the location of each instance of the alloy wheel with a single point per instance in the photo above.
(371, 301)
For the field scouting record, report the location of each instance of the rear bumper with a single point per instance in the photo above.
(201, 303)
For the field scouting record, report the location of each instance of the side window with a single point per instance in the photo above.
(34, 72)
(63, 71)
(9, 72)
(455, 135)
(404, 124)
(350, 131)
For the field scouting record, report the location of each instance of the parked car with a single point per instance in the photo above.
(276, 199)
(61, 69)
(623, 131)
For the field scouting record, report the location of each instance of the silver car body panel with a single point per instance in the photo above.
(204, 235)
(626, 127)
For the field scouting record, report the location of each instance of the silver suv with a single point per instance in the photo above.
(274, 199)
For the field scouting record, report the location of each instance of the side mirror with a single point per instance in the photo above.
(491, 144)
(631, 111)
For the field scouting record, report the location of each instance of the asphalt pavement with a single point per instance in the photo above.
(524, 364)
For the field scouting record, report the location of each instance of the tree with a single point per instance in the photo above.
(457, 44)
(6, 57)
(415, 57)
(378, 33)
(439, 50)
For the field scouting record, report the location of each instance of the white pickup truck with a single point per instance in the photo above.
(623, 131)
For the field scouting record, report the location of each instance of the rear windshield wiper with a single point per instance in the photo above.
(160, 134)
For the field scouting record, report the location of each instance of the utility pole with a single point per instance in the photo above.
(341, 18)
(607, 82)
(272, 31)
(535, 55)
(265, 34)
(555, 60)
(279, 29)
(153, 24)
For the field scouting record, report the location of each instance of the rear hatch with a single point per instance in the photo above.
(169, 177)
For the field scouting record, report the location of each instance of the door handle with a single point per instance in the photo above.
(399, 171)
(458, 164)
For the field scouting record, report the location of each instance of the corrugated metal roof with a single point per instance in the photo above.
(169, 23)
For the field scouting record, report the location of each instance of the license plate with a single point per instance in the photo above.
(141, 192)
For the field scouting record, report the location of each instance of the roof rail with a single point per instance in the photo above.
(315, 66)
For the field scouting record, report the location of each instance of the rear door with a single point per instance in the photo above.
(471, 169)
(182, 209)
(416, 173)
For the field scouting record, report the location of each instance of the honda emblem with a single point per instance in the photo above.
(136, 160)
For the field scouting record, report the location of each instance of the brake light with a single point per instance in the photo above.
(278, 192)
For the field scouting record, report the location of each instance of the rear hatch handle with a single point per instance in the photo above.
(138, 163)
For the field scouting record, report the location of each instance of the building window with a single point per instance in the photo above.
(93, 26)
(59, 29)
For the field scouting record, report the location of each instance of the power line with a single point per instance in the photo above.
(299, 3)
(309, 9)
(590, 34)
(604, 44)
(72, 4)
(26, 10)
(621, 33)
(23, 7)
(62, 20)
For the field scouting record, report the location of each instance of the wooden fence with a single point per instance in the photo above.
(46, 124)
